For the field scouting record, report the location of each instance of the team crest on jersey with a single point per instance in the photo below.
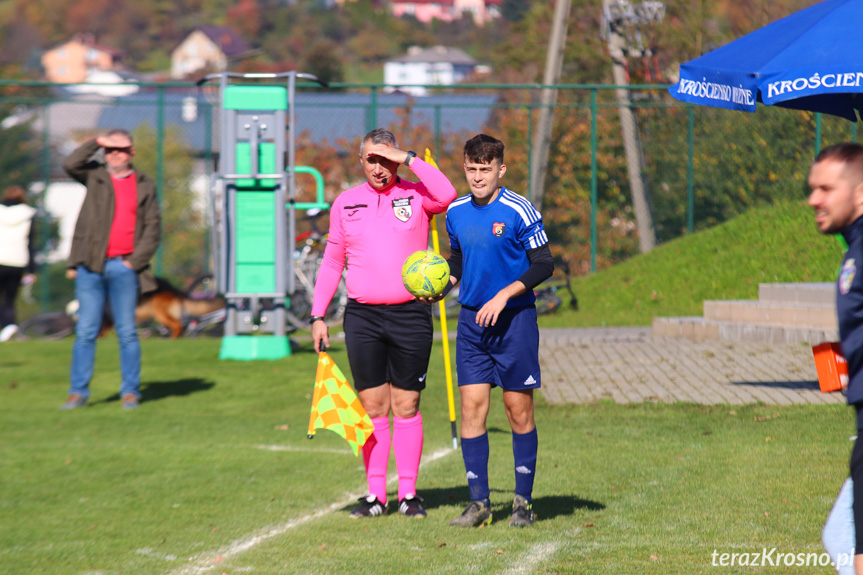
(498, 229)
(846, 276)
(402, 209)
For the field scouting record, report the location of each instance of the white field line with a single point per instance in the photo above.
(205, 562)
(306, 449)
(534, 556)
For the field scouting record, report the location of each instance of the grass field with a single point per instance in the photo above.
(214, 474)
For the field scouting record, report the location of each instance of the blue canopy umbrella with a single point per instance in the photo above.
(811, 60)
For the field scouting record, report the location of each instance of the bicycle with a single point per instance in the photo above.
(547, 300)
(49, 325)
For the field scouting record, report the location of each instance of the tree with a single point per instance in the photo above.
(323, 61)
(514, 10)
(184, 231)
(245, 17)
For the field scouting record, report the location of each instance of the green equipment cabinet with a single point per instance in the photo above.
(253, 199)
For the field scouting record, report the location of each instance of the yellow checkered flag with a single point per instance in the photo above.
(335, 406)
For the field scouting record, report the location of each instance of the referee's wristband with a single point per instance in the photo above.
(315, 318)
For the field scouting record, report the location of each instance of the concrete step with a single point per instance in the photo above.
(810, 294)
(701, 328)
(779, 313)
(783, 313)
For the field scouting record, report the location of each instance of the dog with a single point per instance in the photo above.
(167, 306)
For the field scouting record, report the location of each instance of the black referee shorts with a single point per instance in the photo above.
(388, 343)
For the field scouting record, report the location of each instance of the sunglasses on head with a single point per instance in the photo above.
(126, 150)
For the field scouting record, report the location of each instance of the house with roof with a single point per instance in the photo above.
(482, 11)
(207, 49)
(438, 65)
(71, 62)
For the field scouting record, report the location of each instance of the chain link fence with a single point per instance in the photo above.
(696, 167)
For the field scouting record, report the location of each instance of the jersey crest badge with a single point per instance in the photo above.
(402, 209)
(498, 229)
(846, 276)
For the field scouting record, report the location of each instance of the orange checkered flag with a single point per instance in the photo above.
(335, 406)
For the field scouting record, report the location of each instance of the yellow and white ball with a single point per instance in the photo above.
(425, 274)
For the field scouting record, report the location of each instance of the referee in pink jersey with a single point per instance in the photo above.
(374, 227)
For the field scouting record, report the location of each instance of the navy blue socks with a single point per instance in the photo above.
(475, 454)
(524, 448)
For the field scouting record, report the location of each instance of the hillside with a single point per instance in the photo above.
(769, 244)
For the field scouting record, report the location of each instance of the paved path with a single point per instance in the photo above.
(629, 364)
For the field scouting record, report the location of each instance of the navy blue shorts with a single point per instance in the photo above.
(388, 343)
(505, 355)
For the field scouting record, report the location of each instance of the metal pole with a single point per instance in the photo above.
(817, 133)
(208, 161)
(292, 182)
(372, 114)
(437, 128)
(530, 167)
(160, 163)
(617, 46)
(548, 98)
(593, 179)
(45, 283)
(690, 173)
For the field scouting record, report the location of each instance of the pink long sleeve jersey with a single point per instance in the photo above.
(376, 231)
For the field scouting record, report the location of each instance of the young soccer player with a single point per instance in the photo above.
(499, 253)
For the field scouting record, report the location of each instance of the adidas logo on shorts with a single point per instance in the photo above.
(530, 380)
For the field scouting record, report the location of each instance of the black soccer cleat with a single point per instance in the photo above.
(522, 512)
(475, 515)
(369, 507)
(411, 506)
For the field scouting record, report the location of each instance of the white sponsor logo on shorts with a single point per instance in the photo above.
(422, 377)
(530, 380)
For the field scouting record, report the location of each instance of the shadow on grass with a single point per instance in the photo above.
(156, 390)
(813, 385)
(547, 507)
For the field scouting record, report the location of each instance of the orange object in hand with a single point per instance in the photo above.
(831, 366)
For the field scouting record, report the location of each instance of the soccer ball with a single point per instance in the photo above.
(425, 274)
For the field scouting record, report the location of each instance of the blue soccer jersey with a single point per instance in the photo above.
(493, 240)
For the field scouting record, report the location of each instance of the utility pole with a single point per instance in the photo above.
(618, 17)
(548, 98)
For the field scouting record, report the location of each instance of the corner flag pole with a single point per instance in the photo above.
(443, 326)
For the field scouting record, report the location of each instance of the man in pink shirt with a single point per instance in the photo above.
(374, 227)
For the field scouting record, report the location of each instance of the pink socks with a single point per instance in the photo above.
(408, 445)
(376, 456)
(407, 442)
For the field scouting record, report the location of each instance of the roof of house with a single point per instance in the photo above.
(89, 40)
(226, 39)
(435, 54)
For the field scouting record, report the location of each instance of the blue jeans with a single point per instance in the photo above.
(838, 533)
(120, 284)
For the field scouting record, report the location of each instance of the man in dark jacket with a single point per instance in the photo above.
(836, 181)
(117, 232)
